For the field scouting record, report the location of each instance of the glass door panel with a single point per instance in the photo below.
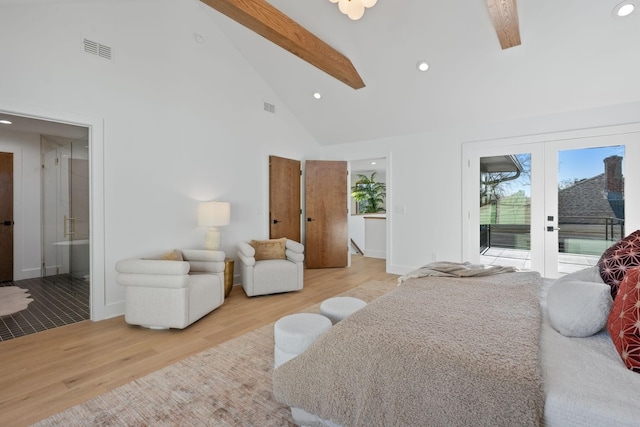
(589, 201)
(65, 208)
(502, 205)
(505, 210)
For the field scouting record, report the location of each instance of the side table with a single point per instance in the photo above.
(228, 276)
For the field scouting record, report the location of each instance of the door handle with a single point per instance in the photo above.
(552, 228)
(9, 223)
(309, 220)
(275, 221)
(71, 223)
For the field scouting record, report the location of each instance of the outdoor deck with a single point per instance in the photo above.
(521, 259)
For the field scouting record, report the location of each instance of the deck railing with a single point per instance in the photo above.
(577, 234)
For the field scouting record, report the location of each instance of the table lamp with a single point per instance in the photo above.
(213, 214)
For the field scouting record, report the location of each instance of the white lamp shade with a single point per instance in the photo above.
(214, 214)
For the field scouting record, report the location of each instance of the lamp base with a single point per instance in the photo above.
(212, 239)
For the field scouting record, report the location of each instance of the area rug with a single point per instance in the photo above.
(13, 299)
(226, 385)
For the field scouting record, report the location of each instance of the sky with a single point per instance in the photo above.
(586, 162)
(572, 165)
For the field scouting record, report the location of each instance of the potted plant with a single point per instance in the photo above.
(369, 194)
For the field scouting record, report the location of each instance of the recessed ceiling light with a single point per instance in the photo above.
(317, 95)
(624, 9)
(5, 122)
(422, 65)
(373, 163)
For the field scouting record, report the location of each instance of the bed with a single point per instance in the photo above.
(459, 351)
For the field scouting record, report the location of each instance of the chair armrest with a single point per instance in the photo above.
(294, 256)
(202, 255)
(204, 261)
(152, 266)
(294, 251)
(294, 246)
(246, 260)
(246, 249)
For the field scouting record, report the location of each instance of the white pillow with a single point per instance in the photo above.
(577, 308)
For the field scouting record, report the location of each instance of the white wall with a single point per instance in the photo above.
(182, 121)
(26, 201)
(424, 186)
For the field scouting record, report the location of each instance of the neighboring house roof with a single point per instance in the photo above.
(588, 198)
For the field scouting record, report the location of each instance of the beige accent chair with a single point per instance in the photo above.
(271, 276)
(163, 294)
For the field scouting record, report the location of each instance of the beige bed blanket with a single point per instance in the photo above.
(455, 269)
(434, 352)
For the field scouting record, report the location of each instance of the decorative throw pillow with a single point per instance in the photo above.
(616, 260)
(174, 255)
(624, 320)
(269, 249)
(577, 308)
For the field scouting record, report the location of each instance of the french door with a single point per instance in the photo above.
(549, 206)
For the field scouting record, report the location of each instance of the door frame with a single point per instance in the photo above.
(389, 198)
(99, 307)
(537, 144)
(388, 202)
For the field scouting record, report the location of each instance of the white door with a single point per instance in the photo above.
(584, 200)
(501, 219)
(571, 206)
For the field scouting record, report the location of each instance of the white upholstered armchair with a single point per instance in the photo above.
(162, 294)
(271, 266)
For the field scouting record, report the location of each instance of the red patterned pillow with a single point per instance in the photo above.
(624, 320)
(616, 260)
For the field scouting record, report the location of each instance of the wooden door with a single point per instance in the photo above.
(327, 238)
(6, 217)
(284, 198)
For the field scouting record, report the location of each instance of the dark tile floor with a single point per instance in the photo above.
(57, 301)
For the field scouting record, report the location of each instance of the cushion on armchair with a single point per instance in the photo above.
(269, 249)
(174, 255)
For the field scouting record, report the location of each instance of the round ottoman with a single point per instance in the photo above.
(294, 333)
(338, 308)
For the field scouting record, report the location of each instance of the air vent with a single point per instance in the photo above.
(94, 48)
(270, 108)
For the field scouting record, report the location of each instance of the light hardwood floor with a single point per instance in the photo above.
(47, 372)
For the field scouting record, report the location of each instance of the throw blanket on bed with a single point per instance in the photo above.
(433, 352)
(455, 269)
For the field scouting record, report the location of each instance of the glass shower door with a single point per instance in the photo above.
(65, 208)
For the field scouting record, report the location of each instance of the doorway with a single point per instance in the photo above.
(552, 206)
(35, 121)
(368, 224)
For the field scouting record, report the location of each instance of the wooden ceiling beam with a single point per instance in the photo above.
(505, 19)
(261, 17)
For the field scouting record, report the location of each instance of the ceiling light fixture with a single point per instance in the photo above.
(317, 95)
(422, 65)
(354, 9)
(5, 122)
(623, 9)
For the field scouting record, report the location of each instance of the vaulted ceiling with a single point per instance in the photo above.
(573, 55)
